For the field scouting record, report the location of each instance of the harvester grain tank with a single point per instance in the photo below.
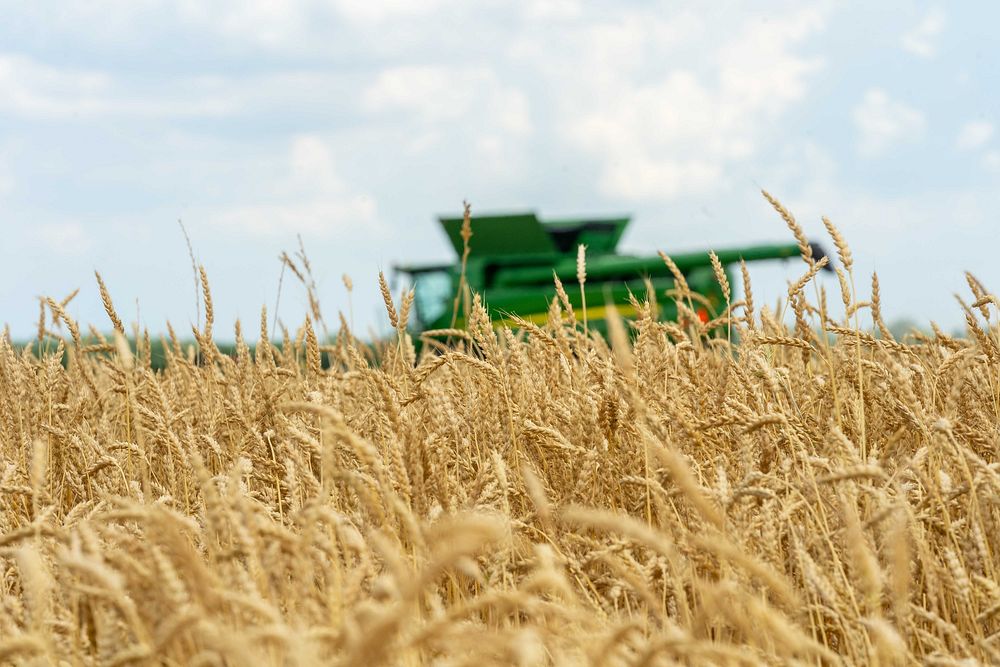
(512, 258)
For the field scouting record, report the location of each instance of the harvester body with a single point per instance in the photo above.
(512, 259)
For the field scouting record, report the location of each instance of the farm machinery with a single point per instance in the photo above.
(512, 258)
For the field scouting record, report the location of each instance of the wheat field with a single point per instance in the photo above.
(815, 494)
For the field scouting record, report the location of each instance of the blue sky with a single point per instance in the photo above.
(355, 122)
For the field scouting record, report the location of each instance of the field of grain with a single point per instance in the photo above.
(818, 494)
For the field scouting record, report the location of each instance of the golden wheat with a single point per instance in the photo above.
(528, 497)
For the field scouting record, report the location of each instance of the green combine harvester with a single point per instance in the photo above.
(512, 259)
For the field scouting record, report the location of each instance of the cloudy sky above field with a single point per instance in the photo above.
(354, 122)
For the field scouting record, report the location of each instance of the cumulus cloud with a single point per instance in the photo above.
(271, 26)
(36, 90)
(378, 11)
(31, 88)
(438, 94)
(308, 194)
(283, 26)
(922, 39)
(654, 132)
(657, 137)
(265, 22)
(883, 123)
(974, 134)
(547, 10)
(453, 113)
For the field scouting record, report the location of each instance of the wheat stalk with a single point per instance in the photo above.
(528, 496)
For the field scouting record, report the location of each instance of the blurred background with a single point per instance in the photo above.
(355, 122)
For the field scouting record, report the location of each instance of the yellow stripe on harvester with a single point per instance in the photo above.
(593, 314)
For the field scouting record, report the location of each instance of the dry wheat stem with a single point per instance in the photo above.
(527, 497)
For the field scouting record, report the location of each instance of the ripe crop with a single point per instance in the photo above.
(818, 493)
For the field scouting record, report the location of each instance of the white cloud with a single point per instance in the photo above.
(29, 87)
(296, 27)
(443, 94)
(992, 160)
(379, 11)
(63, 238)
(547, 10)
(268, 23)
(974, 134)
(434, 93)
(33, 89)
(307, 195)
(277, 26)
(312, 166)
(922, 39)
(884, 122)
(658, 137)
(757, 68)
(453, 113)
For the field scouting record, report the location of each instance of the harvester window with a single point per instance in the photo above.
(432, 291)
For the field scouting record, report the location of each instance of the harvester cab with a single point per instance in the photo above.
(512, 259)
